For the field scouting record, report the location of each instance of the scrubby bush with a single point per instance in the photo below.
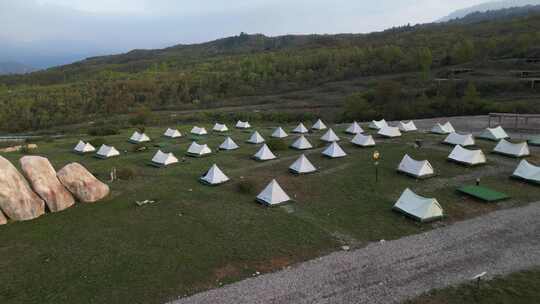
(103, 131)
(139, 148)
(276, 144)
(98, 142)
(127, 173)
(246, 187)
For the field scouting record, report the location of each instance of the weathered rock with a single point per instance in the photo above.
(42, 177)
(17, 200)
(82, 184)
(3, 219)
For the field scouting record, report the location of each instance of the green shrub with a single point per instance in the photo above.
(127, 173)
(277, 144)
(103, 131)
(98, 142)
(246, 187)
(139, 148)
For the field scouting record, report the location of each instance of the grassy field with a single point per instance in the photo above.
(197, 237)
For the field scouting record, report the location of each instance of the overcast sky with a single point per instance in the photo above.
(89, 27)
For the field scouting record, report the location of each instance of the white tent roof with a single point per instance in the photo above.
(83, 147)
(214, 176)
(279, 133)
(220, 128)
(334, 151)
(164, 159)
(172, 133)
(494, 134)
(273, 194)
(255, 138)
(388, 131)
(415, 168)
(319, 125)
(527, 171)
(465, 156)
(228, 144)
(507, 148)
(302, 166)
(363, 140)
(447, 128)
(378, 124)
(243, 125)
(463, 140)
(407, 126)
(199, 131)
(302, 143)
(139, 137)
(330, 136)
(264, 153)
(107, 151)
(354, 129)
(300, 129)
(421, 208)
(198, 150)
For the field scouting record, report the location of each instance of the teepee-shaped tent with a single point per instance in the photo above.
(407, 126)
(273, 195)
(418, 207)
(301, 143)
(214, 176)
(264, 154)
(389, 132)
(255, 138)
(83, 147)
(279, 133)
(378, 124)
(243, 125)
(363, 140)
(220, 128)
(354, 129)
(197, 150)
(300, 129)
(528, 172)
(463, 140)
(447, 128)
(467, 157)
(319, 125)
(330, 136)
(198, 131)
(507, 148)
(172, 133)
(107, 152)
(161, 159)
(334, 151)
(229, 144)
(302, 166)
(418, 169)
(494, 134)
(138, 138)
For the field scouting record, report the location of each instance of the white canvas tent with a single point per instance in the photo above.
(301, 143)
(494, 134)
(220, 128)
(138, 138)
(354, 129)
(447, 128)
(527, 172)
(407, 126)
(198, 150)
(330, 136)
(107, 152)
(463, 140)
(229, 144)
(389, 132)
(279, 133)
(214, 176)
(243, 125)
(83, 147)
(302, 166)
(198, 131)
(378, 124)
(300, 129)
(420, 208)
(264, 154)
(418, 169)
(319, 125)
(334, 151)
(510, 149)
(363, 140)
(255, 138)
(273, 195)
(172, 133)
(164, 159)
(467, 157)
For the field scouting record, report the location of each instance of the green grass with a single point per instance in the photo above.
(197, 237)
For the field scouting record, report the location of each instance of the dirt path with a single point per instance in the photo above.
(390, 272)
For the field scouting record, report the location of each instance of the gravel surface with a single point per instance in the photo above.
(501, 242)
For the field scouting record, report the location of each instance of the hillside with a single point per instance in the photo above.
(488, 6)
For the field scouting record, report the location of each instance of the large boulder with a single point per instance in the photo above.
(82, 184)
(42, 176)
(17, 200)
(3, 219)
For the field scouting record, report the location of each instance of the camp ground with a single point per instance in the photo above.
(220, 128)
(301, 143)
(464, 140)
(378, 124)
(483, 193)
(214, 176)
(330, 136)
(354, 129)
(467, 157)
(83, 147)
(161, 159)
(534, 141)
(107, 152)
(243, 125)
(302, 166)
(407, 126)
(256, 138)
(264, 154)
(389, 132)
(279, 133)
(198, 131)
(420, 208)
(527, 172)
(443, 129)
(416, 168)
(197, 150)
(363, 140)
(494, 134)
(319, 125)
(507, 148)
(301, 129)
(228, 144)
(334, 151)
(273, 195)
(172, 133)
(138, 138)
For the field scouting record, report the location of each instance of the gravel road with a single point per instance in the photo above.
(501, 242)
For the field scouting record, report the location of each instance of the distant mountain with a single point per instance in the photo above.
(502, 14)
(7, 68)
(488, 6)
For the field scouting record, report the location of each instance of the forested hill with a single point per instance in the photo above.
(489, 6)
(501, 14)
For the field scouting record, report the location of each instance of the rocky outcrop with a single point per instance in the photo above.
(18, 148)
(42, 177)
(3, 219)
(17, 200)
(82, 184)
